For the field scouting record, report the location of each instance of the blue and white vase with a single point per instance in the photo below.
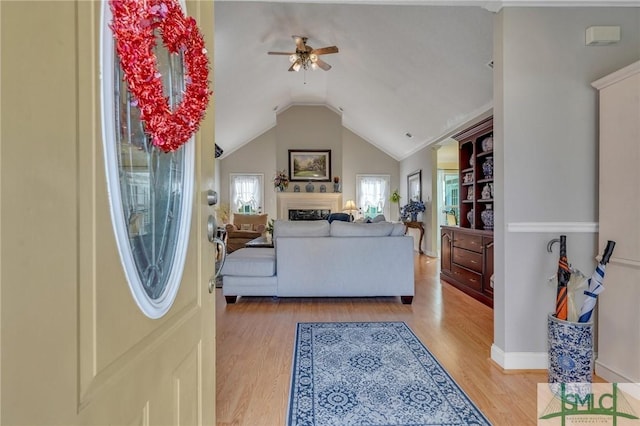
(487, 217)
(309, 187)
(487, 168)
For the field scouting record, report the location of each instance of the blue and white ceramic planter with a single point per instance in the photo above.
(570, 355)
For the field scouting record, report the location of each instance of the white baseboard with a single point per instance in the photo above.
(520, 360)
(610, 375)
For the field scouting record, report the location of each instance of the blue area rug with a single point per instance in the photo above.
(372, 373)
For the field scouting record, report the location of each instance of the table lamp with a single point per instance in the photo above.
(350, 206)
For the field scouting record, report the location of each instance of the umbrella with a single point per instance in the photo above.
(595, 286)
(564, 274)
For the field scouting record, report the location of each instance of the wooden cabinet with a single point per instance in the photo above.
(467, 261)
(467, 251)
(476, 175)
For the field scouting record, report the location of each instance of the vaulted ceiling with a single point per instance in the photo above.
(417, 70)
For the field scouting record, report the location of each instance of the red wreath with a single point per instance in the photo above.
(133, 25)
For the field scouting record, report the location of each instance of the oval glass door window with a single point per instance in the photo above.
(150, 192)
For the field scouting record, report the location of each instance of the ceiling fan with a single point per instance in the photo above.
(305, 56)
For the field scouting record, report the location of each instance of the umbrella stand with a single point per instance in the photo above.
(570, 343)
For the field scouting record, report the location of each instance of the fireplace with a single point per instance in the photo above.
(309, 214)
(308, 205)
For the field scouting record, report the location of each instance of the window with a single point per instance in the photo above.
(246, 193)
(150, 191)
(372, 195)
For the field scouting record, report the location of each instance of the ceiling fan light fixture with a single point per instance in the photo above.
(313, 57)
(293, 58)
(314, 66)
(297, 66)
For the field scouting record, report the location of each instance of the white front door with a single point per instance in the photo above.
(75, 347)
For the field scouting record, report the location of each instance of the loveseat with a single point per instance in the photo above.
(245, 227)
(322, 259)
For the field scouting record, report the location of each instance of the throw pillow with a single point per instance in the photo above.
(246, 227)
(379, 218)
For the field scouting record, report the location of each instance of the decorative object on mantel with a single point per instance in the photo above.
(411, 210)
(323, 188)
(470, 193)
(296, 188)
(336, 184)
(281, 181)
(487, 168)
(309, 187)
(470, 217)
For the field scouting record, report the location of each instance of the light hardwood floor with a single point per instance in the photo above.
(255, 340)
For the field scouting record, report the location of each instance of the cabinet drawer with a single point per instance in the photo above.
(468, 259)
(468, 241)
(468, 278)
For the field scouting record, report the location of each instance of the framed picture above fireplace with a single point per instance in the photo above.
(310, 164)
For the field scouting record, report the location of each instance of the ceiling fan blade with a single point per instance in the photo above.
(325, 50)
(322, 64)
(300, 43)
(281, 53)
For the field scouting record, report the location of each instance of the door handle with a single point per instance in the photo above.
(221, 248)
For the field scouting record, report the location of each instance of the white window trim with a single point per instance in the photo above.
(387, 208)
(260, 176)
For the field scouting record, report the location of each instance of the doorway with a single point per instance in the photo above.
(447, 188)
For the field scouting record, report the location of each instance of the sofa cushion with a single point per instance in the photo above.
(346, 229)
(398, 229)
(250, 262)
(301, 228)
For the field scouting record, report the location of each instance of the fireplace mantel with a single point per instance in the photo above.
(308, 200)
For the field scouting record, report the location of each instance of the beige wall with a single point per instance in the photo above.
(307, 127)
(360, 157)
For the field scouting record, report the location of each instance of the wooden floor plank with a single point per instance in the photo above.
(255, 339)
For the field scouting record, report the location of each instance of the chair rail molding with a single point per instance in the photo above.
(553, 227)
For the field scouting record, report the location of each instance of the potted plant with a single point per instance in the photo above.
(412, 209)
(395, 198)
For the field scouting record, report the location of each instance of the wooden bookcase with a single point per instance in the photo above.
(476, 175)
(467, 249)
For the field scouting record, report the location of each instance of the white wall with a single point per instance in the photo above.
(424, 160)
(545, 138)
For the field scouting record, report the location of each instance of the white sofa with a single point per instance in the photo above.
(322, 259)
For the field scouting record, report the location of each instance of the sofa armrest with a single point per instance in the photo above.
(260, 228)
(230, 227)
